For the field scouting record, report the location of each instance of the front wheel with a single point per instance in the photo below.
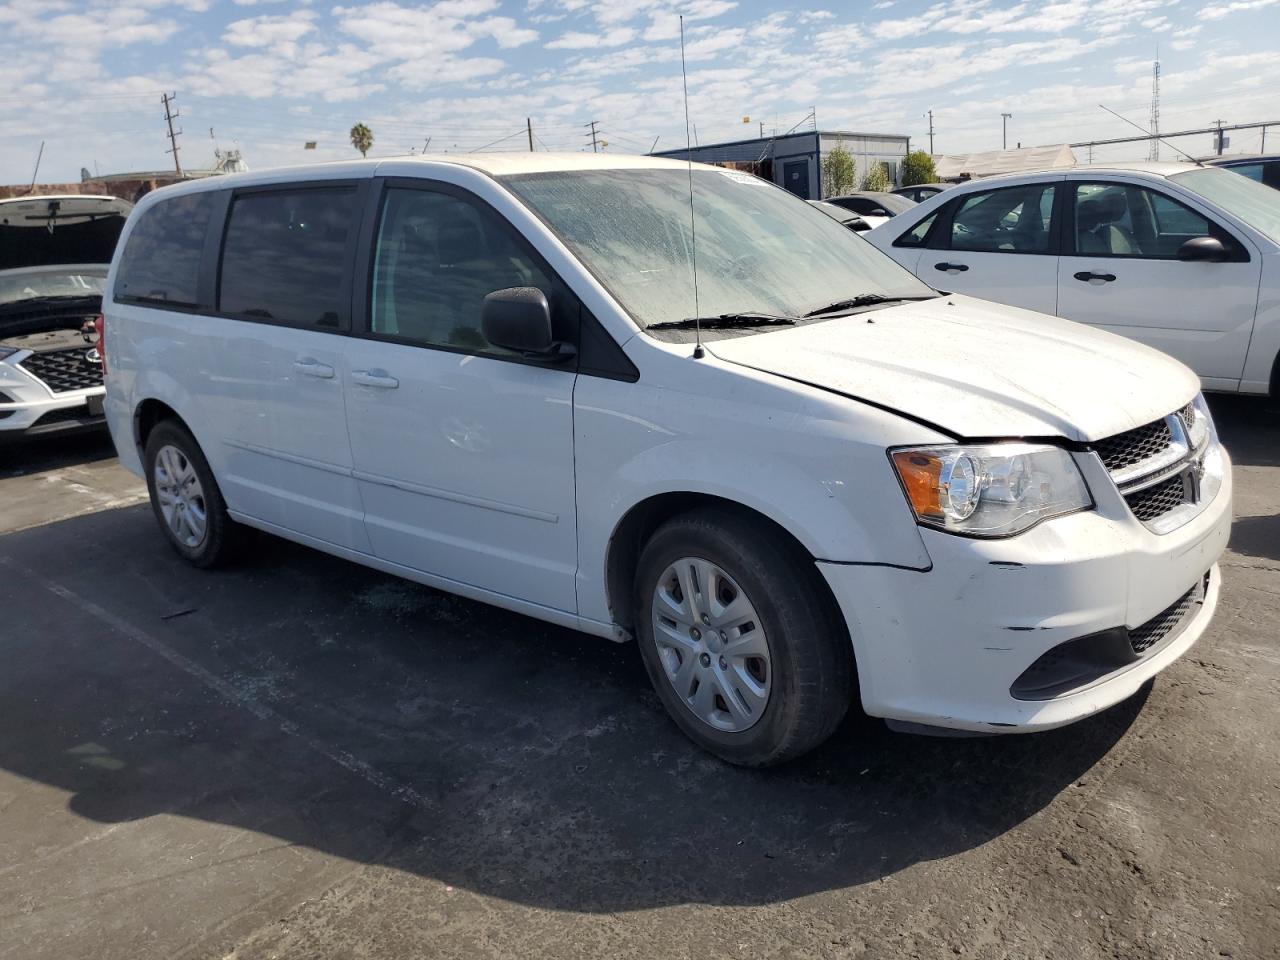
(740, 639)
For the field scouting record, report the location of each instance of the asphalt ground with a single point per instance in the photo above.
(302, 758)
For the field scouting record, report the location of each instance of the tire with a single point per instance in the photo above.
(785, 702)
(173, 450)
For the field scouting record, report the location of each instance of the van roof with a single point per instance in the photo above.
(492, 164)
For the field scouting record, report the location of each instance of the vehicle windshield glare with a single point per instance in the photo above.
(759, 248)
(1248, 200)
(20, 286)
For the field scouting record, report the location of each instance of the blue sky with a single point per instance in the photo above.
(268, 75)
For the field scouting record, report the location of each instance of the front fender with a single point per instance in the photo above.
(811, 462)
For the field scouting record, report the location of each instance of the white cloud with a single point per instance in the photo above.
(268, 31)
(577, 40)
(1216, 11)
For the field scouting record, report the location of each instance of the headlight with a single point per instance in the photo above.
(990, 489)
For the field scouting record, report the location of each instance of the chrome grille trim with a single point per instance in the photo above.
(1160, 484)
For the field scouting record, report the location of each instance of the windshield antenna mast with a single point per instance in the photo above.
(698, 352)
(1154, 136)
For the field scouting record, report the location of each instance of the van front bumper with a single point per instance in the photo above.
(967, 644)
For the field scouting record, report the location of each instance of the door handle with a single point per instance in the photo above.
(1088, 276)
(951, 267)
(313, 368)
(374, 378)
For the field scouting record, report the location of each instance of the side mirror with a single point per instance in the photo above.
(519, 319)
(1207, 249)
(881, 212)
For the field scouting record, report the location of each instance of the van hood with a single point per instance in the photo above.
(977, 369)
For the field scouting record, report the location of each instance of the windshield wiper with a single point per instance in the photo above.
(41, 301)
(863, 300)
(723, 320)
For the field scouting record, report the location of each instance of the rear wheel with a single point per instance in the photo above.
(185, 498)
(739, 638)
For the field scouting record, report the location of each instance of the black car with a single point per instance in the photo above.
(841, 215)
(920, 192)
(873, 204)
(1264, 168)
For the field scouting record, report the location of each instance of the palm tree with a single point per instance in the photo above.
(362, 138)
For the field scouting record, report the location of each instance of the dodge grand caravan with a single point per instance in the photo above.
(800, 478)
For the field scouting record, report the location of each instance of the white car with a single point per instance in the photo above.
(484, 374)
(1182, 257)
(54, 254)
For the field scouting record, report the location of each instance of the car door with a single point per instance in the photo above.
(1120, 271)
(277, 355)
(463, 451)
(999, 244)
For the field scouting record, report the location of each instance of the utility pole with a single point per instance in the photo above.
(1004, 126)
(595, 141)
(1218, 138)
(528, 122)
(1153, 124)
(761, 129)
(1263, 148)
(930, 132)
(655, 144)
(169, 116)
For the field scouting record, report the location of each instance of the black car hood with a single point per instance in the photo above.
(42, 231)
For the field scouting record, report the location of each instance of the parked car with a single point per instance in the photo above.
(918, 193)
(54, 254)
(485, 374)
(1184, 258)
(1264, 168)
(873, 207)
(842, 215)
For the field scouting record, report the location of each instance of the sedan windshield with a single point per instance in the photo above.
(759, 248)
(1245, 199)
(18, 287)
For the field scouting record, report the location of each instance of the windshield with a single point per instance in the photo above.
(18, 286)
(760, 248)
(1245, 199)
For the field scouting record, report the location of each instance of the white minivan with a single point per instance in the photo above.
(1184, 258)
(792, 472)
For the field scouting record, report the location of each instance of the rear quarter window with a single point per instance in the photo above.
(161, 259)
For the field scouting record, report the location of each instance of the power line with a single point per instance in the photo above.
(494, 143)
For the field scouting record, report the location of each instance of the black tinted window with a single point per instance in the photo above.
(284, 256)
(161, 259)
(437, 258)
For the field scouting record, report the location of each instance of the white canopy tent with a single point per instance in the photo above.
(992, 162)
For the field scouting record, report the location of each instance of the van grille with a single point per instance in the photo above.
(1134, 446)
(1156, 501)
(64, 370)
(1154, 467)
(1143, 638)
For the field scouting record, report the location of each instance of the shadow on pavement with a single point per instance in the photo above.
(20, 458)
(547, 771)
(1249, 427)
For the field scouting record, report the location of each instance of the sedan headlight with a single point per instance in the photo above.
(990, 489)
